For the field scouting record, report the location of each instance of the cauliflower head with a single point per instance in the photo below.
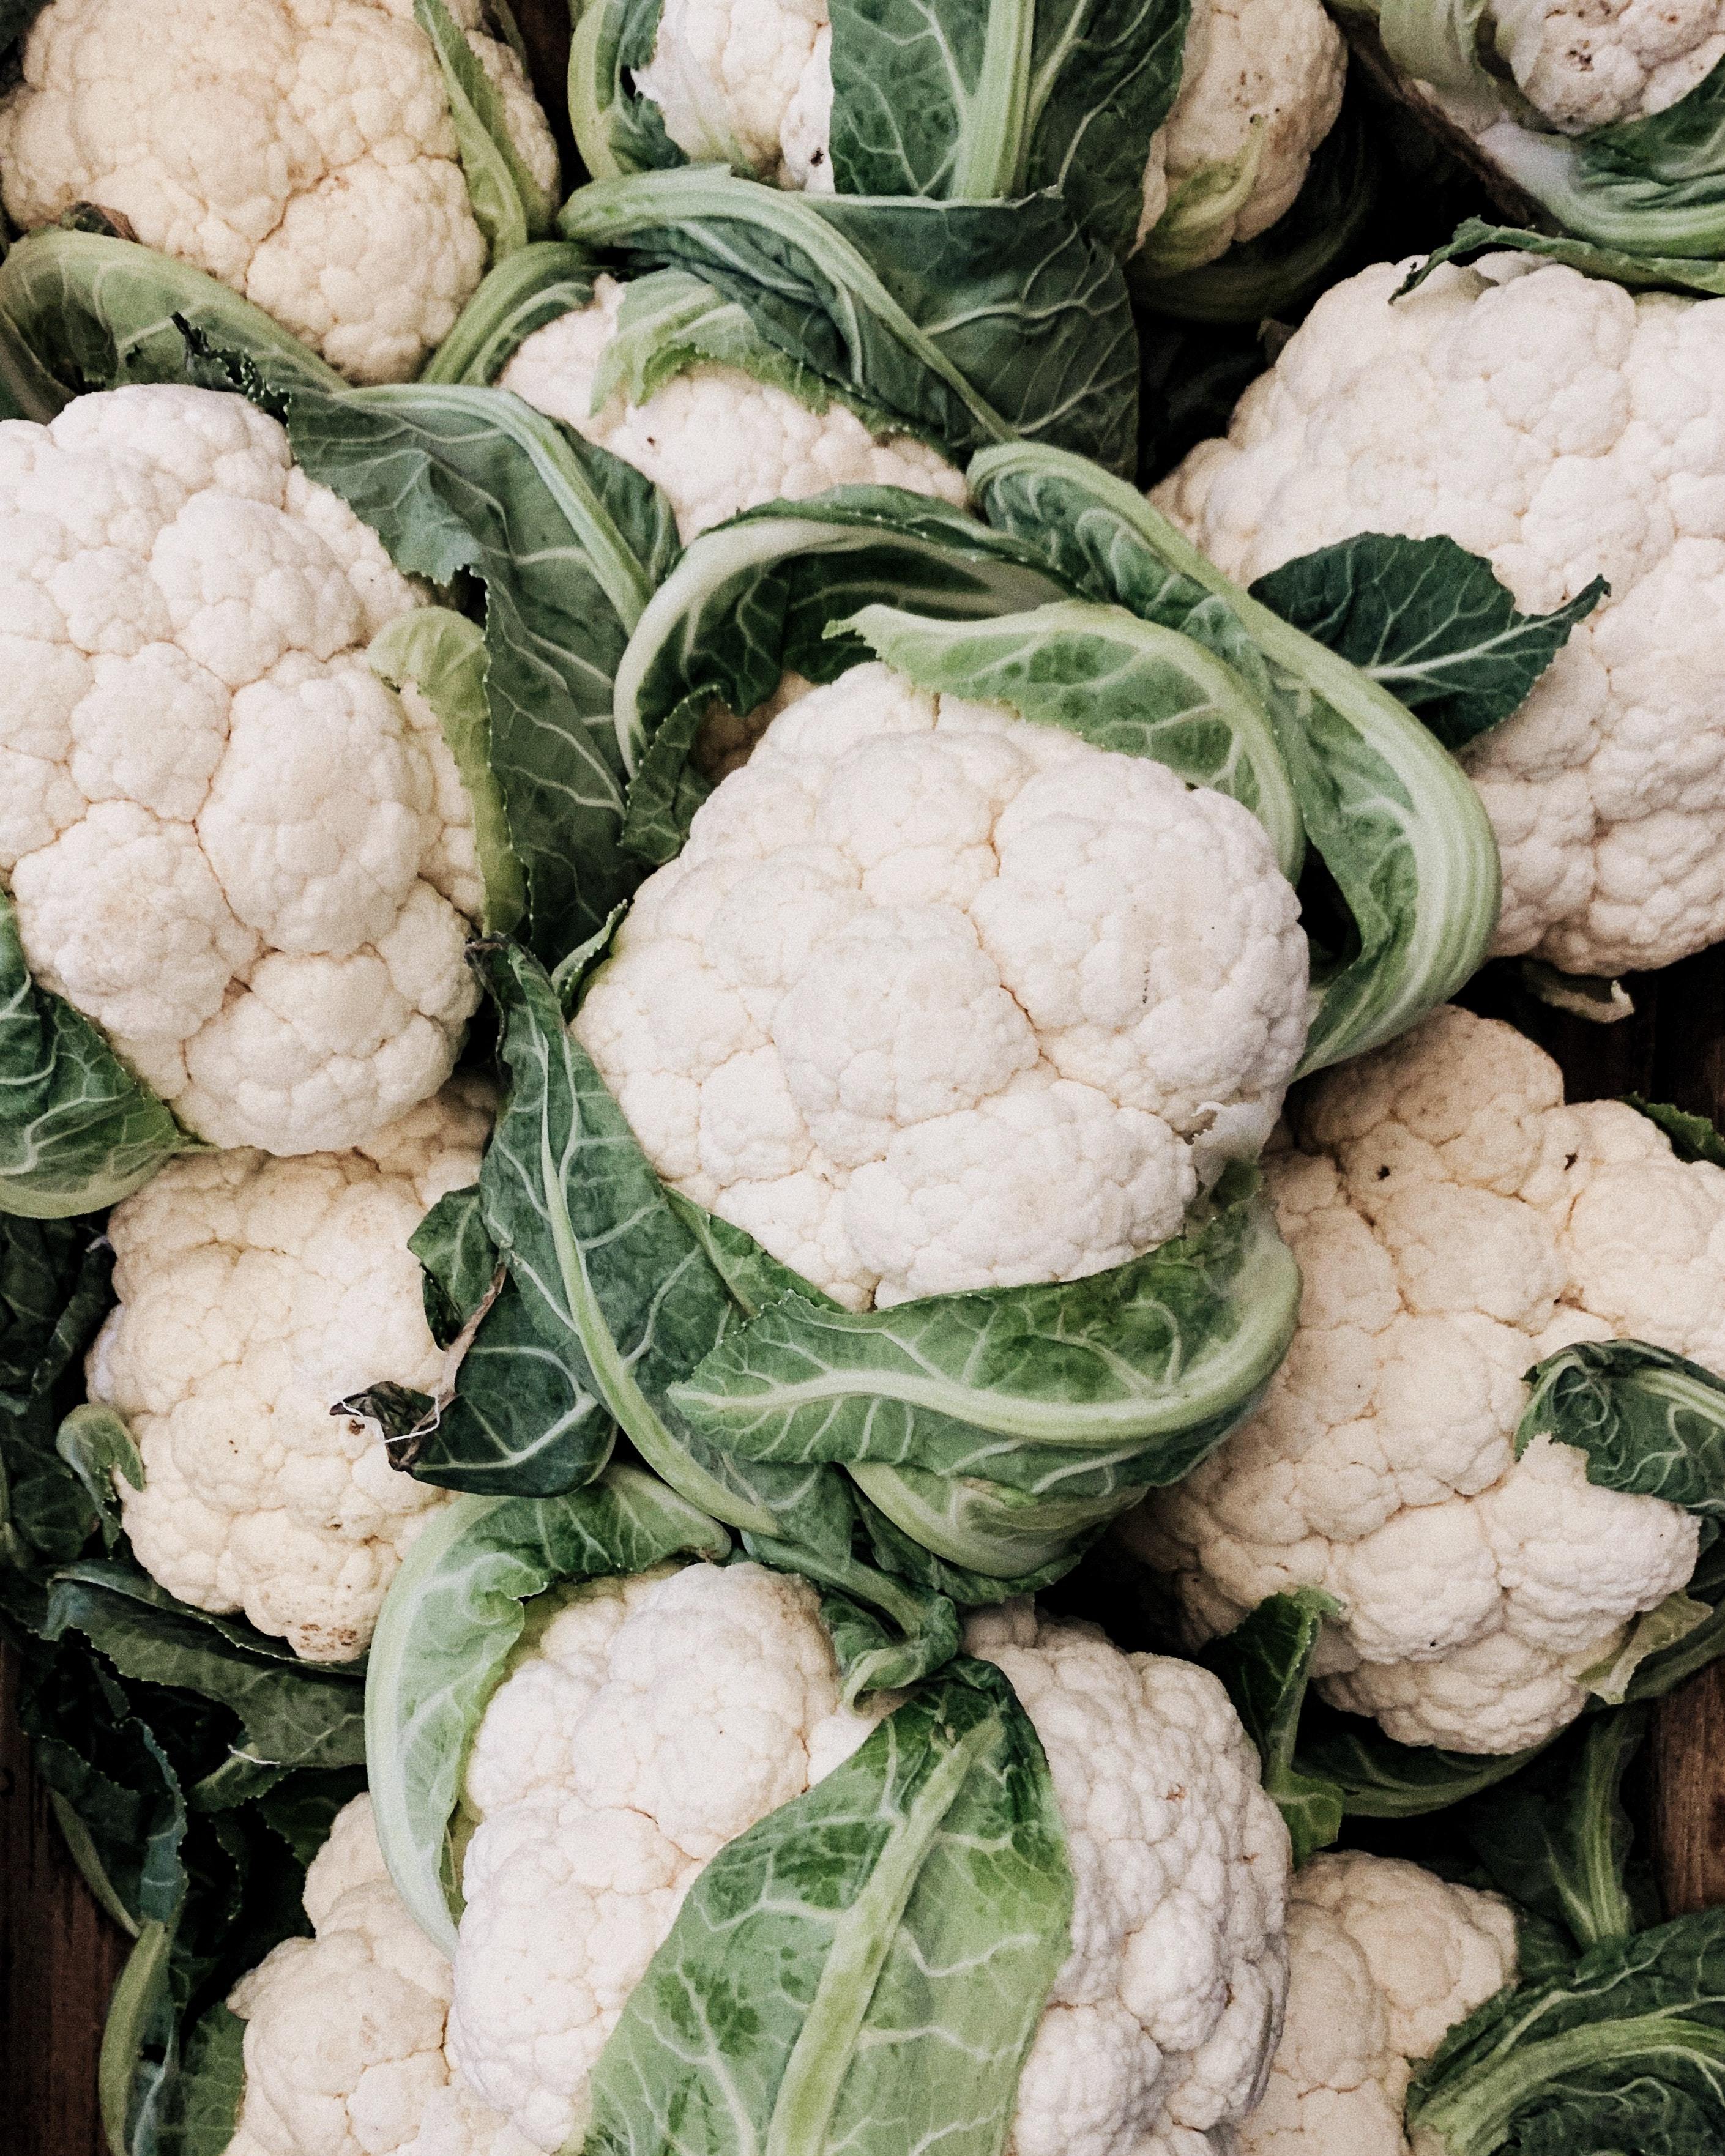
(714, 440)
(344, 2037)
(936, 998)
(1585, 63)
(751, 81)
(250, 863)
(253, 1293)
(1384, 1959)
(1454, 1222)
(651, 1721)
(301, 150)
(1563, 429)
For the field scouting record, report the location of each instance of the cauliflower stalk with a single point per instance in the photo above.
(345, 165)
(1195, 131)
(667, 1752)
(229, 845)
(1454, 1222)
(1383, 1960)
(253, 1293)
(1560, 427)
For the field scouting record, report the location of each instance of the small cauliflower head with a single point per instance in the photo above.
(714, 440)
(344, 2036)
(1383, 1960)
(1564, 429)
(749, 82)
(256, 1292)
(301, 150)
(228, 844)
(936, 998)
(1585, 63)
(1454, 1222)
(647, 1722)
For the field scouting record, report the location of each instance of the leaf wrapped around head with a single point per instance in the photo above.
(970, 322)
(1395, 819)
(950, 100)
(452, 1614)
(867, 1964)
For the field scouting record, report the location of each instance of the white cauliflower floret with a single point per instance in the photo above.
(1455, 1223)
(344, 2038)
(935, 998)
(651, 1721)
(253, 1293)
(1262, 80)
(301, 150)
(230, 844)
(1593, 63)
(1383, 1960)
(751, 85)
(1564, 429)
(714, 439)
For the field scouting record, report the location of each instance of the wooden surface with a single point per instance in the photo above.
(59, 1957)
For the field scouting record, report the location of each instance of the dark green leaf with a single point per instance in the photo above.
(619, 1292)
(458, 1261)
(1398, 825)
(1474, 237)
(569, 542)
(540, 284)
(1133, 1374)
(867, 1965)
(79, 1133)
(1694, 1137)
(96, 1446)
(290, 1713)
(1428, 620)
(453, 1613)
(971, 322)
(1649, 1422)
(1265, 1662)
(1624, 2052)
(79, 311)
(1556, 1839)
(972, 103)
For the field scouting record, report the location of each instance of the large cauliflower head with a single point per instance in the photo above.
(651, 1721)
(1454, 1222)
(1383, 1960)
(1564, 429)
(937, 998)
(344, 2036)
(751, 80)
(301, 150)
(228, 844)
(254, 1293)
(714, 440)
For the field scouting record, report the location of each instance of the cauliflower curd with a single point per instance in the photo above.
(253, 1293)
(645, 1723)
(1383, 1960)
(1454, 1222)
(713, 441)
(301, 150)
(936, 998)
(1564, 429)
(751, 80)
(228, 844)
